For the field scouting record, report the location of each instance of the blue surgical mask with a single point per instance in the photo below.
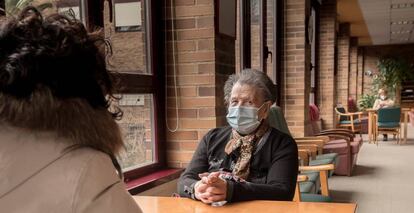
(243, 119)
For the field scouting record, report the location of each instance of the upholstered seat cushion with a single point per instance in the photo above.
(339, 148)
(359, 140)
(312, 175)
(327, 156)
(356, 121)
(388, 124)
(318, 162)
(307, 187)
(315, 198)
(336, 141)
(355, 147)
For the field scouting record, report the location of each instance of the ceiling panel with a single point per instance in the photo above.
(379, 16)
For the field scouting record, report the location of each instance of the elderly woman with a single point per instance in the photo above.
(383, 101)
(247, 160)
(58, 137)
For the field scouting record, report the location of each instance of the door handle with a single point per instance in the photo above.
(267, 52)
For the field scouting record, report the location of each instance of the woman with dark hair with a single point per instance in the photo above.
(248, 160)
(58, 135)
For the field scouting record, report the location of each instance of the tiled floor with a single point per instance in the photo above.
(383, 181)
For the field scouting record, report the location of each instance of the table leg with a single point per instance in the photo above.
(369, 127)
(405, 126)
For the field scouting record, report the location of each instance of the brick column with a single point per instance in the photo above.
(360, 66)
(342, 77)
(353, 69)
(326, 77)
(203, 62)
(295, 98)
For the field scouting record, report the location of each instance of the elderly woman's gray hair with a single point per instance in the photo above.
(253, 78)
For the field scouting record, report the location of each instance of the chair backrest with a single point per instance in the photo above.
(392, 114)
(277, 120)
(352, 107)
(313, 112)
(341, 110)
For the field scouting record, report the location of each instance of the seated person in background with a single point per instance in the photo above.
(58, 137)
(247, 160)
(383, 102)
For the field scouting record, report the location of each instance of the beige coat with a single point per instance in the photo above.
(37, 176)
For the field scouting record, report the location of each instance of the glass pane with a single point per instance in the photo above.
(269, 32)
(127, 35)
(71, 8)
(255, 33)
(137, 127)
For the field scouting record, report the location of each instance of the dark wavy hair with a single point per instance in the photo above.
(53, 77)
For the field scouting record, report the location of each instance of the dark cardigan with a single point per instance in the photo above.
(273, 166)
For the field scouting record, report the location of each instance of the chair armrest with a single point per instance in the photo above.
(302, 178)
(323, 175)
(337, 136)
(325, 167)
(344, 133)
(338, 130)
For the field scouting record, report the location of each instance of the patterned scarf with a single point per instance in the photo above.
(247, 145)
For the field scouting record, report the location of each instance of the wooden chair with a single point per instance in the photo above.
(349, 120)
(303, 178)
(388, 122)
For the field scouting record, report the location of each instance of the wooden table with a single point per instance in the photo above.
(171, 204)
(371, 124)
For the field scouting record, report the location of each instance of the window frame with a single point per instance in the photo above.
(315, 90)
(140, 83)
(153, 83)
(277, 34)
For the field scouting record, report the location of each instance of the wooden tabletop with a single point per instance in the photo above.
(172, 205)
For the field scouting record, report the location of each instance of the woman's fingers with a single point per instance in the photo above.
(216, 198)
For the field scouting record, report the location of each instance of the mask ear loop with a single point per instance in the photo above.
(261, 120)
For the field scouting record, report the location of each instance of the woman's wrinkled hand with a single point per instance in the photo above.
(211, 188)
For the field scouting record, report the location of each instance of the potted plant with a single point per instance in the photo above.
(392, 72)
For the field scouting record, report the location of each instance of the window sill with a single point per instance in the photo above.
(151, 180)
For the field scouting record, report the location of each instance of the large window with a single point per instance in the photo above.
(313, 39)
(259, 37)
(129, 26)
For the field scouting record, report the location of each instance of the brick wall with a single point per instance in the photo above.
(203, 62)
(353, 68)
(295, 97)
(361, 76)
(342, 78)
(326, 78)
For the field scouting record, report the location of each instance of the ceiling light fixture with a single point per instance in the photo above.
(401, 22)
(401, 32)
(402, 5)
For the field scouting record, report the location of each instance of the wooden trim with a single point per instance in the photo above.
(245, 34)
(278, 47)
(151, 180)
(125, 1)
